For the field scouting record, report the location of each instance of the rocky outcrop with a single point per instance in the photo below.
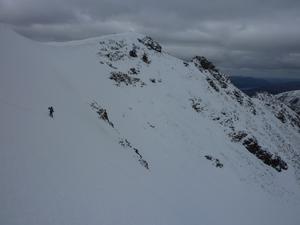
(126, 144)
(151, 44)
(267, 158)
(203, 64)
(216, 162)
(123, 78)
(102, 112)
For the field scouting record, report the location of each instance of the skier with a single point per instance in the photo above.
(51, 111)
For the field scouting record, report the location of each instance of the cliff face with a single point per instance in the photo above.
(138, 137)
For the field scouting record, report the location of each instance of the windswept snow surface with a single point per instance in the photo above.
(78, 169)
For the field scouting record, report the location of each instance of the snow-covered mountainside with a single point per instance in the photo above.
(291, 99)
(138, 137)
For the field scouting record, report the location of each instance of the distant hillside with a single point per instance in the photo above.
(251, 85)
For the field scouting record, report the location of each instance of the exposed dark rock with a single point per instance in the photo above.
(228, 122)
(150, 125)
(239, 97)
(201, 61)
(151, 44)
(144, 163)
(133, 71)
(112, 50)
(124, 78)
(102, 112)
(266, 157)
(137, 152)
(218, 164)
(208, 157)
(212, 84)
(295, 122)
(152, 80)
(133, 53)
(145, 58)
(238, 135)
(126, 144)
(250, 104)
(222, 79)
(295, 101)
(280, 116)
(196, 104)
(216, 161)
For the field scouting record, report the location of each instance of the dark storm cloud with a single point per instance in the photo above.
(258, 37)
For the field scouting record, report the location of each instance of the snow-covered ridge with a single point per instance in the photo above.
(128, 36)
(291, 99)
(138, 136)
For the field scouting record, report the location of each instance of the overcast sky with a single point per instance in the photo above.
(242, 37)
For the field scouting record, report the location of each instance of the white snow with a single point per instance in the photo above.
(72, 169)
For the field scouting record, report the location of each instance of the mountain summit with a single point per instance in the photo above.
(138, 137)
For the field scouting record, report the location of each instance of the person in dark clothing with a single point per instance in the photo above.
(51, 111)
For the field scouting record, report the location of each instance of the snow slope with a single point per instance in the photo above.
(291, 99)
(173, 151)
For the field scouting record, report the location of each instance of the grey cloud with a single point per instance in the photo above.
(260, 37)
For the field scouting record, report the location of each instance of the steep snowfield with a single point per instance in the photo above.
(176, 153)
(291, 99)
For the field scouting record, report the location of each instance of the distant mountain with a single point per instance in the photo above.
(291, 99)
(138, 137)
(251, 85)
(248, 82)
